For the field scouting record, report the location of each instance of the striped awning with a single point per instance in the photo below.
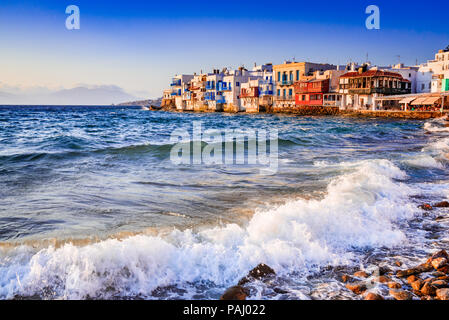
(407, 100)
(431, 100)
(419, 101)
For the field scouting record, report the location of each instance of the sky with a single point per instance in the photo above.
(136, 47)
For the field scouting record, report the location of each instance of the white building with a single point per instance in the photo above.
(180, 85)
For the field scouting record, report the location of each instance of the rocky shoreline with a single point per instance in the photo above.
(426, 281)
(331, 111)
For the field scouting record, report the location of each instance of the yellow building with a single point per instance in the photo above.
(286, 75)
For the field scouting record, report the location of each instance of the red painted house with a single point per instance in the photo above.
(311, 92)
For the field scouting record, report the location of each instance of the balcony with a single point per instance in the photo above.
(284, 98)
(266, 93)
(227, 88)
(176, 83)
(210, 86)
(266, 82)
(285, 83)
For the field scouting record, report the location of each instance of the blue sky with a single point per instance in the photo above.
(139, 45)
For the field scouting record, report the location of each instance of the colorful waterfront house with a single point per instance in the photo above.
(198, 90)
(214, 92)
(286, 75)
(167, 99)
(360, 89)
(309, 93)
(249, 96)
(231, 89)
(179, 85)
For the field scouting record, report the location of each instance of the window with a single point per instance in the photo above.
(303, 97)
(279, 76)
(284, 92)
(237, 84)
(279, 92)
(297, 75)
(290, 92)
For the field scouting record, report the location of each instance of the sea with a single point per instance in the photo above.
(93, 205)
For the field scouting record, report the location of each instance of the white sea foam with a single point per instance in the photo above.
(361, 209)
(436, 126)
(424, 161)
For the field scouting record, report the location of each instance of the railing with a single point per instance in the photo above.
(221, 100)
(266, 81)
(266, 93)
(227, 88)
(210, 87)
(175, 83)
(284, 98)
(285, 83)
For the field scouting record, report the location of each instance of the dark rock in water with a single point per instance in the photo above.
(235, 293)
(426, 207)
(428, 289)
(443, 294)
(438, 263)
(361, 274)
(357, 288)
(439, 284)
(401, 294)
(260, 272)
(373, 297)
(439, 254)
(443, 204)
(384, 270)
(444, 269)
(425, 267)
(394, 285)
(412, 279)
(417, 285)
(280, 291)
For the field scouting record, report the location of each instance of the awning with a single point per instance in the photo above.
(407, 100)
(419, 102)
(431, 100)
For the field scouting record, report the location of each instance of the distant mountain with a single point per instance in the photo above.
(81, 95)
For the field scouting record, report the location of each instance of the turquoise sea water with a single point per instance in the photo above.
(91, 206)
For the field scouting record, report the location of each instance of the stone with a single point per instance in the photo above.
(426, 207)
(398, 263)
(260, 272)
(417, 285)
(444, 269)
(357, 288)
(374, 297)
(445, 278)
(439, 254)
(384, 270)
(412, 279)
(425, 267)
(439, 263)
(383, 279)
(443, 294)
(440, 284)
(394, 285)
(235, 293)
(428, 289)
(361, 274)
(345, 278)
(400, 294)
(443, 204)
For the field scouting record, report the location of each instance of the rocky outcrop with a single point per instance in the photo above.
(261, 273)
(235, 293)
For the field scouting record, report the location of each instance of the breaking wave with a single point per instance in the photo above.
(360, 210)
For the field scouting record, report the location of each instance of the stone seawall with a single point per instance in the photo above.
(417, 115)
(307, 111)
